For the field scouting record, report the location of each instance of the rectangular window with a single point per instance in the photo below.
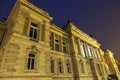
(83, 49)
(90, 51)
(31, 61)
(96, 53)
(60, 67)
(33, 31)
(52, 66)
(64, 47)
(68, 68)
(57, 47)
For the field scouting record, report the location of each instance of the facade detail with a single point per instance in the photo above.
(32, 48)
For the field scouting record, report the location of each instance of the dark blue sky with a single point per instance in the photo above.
(101, 18)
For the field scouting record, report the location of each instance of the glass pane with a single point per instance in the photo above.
(68, 67)
(52, 66)
(83, 51)
(64, 43)
(60, 67)
(28, 65)
(57, 47)
(31, 55)
(32, 64)
(31, 32)
(33, 24)
(64, 49)
(35, 33)
(56, 40)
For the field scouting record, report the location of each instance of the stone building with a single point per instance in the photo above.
(111, 62)
(118, 63)
(32, 48)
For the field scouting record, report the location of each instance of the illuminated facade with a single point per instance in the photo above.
(118, 63)
(32, 48)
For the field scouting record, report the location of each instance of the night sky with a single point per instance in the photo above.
(100, 18)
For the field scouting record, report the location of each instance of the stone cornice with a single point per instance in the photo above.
(56, 28)
(35, 9)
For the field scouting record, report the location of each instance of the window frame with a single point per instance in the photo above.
(57, 45)
(29, 64)
(90, 52)
(52, 66)
(64, 47)
(35, 28)
(82, 48)
(60, 66)
(68, 66)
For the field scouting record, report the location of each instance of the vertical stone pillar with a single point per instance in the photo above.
(79, 49)
(93, 68)
(61, 44)
(28, 26)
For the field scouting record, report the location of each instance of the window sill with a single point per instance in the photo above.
(32, 39)
(60, 53)
(31, 71)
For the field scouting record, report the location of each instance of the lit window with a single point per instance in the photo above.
(57, 45)
(90, 51)
(83, 49)
(52, 66)
(31, 61)
(33, 31)
(96, 53)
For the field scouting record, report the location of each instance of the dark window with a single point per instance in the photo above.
(60, 67)
(31, 61)
(52, 66)
(68, 68)
(57, 45)
(33, 31)
(64, 47)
